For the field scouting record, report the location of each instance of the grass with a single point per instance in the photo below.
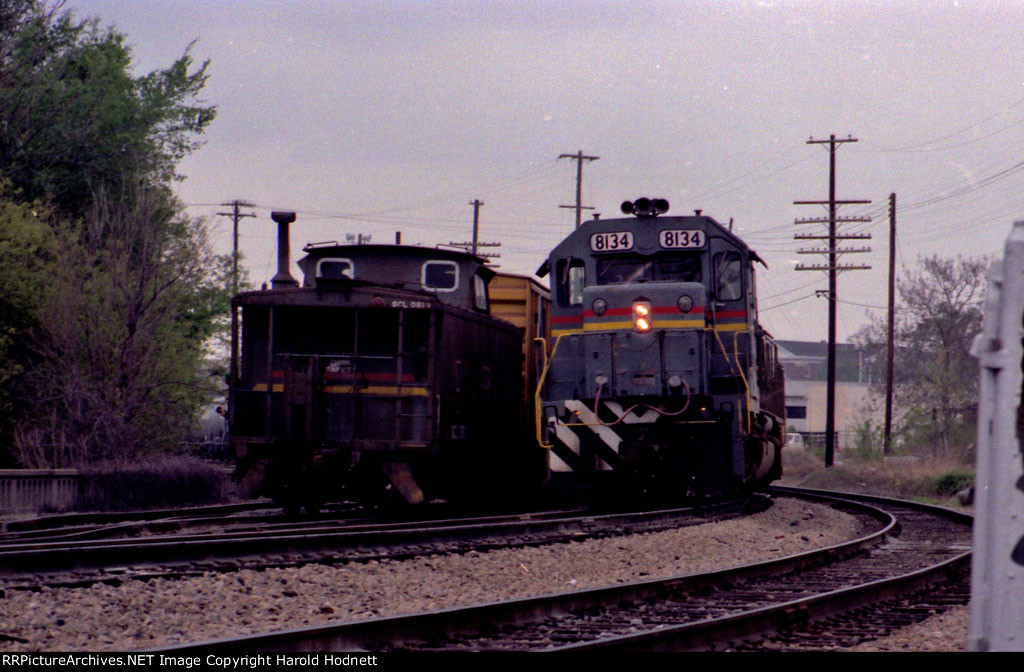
(932, 480)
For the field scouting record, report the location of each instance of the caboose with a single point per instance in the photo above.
(381, 376)
(661, 381)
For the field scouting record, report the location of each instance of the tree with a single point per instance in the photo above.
(74, 121)
(27, 247)
(939, 311)
(118, 358)
(109, 293)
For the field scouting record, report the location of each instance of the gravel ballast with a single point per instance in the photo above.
(141, 615)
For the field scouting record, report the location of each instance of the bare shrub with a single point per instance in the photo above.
(168, 481)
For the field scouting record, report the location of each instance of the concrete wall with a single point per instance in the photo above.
(851, 400)
(35, 490)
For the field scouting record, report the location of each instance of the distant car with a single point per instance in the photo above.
(795, 441)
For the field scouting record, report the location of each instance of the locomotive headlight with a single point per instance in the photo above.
(599, 306)
(642, 315)
(685, 303)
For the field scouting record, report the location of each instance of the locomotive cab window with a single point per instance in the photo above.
(480, 293)
(440, 276)
(662, 268)
(728, 276)
(571, 276)
(335, 269)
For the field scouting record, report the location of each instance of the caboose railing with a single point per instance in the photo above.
(303, 390)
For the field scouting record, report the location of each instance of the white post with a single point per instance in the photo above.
(997, 577)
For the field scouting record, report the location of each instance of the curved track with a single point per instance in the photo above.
(917, 550)
(68, 558)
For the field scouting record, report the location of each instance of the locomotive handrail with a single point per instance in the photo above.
(739, 368)
(725, 353)
(747, 384)
(540, 384)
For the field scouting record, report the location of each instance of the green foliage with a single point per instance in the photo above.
(109, 294)
(952, 482)
(912, 478)
(936, 379)
(110, 389)
(27, 250)
(867, 444)
(73, 119)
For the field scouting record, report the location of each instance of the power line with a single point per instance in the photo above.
(956, 193)
(963, 129)
(786, 303)
(861, 305)
(790, 291)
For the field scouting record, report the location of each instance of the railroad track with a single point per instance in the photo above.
(916, 563)
(79, 526)
(76, 558)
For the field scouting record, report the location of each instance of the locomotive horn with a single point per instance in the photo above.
(645, 207)
(284, 277)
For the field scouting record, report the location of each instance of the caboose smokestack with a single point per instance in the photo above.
(284, 277)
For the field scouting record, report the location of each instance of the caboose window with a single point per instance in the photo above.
(440, 276)
(571, 279)
(335, 269)
(663, 268)
(480, 292)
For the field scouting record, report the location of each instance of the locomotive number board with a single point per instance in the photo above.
(682, 238)
(611, 241)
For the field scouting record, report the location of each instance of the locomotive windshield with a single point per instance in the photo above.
(667, 268)
(728, 285)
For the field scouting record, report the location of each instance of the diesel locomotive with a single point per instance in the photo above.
(382, 376)
(660, 381)
(408, 374)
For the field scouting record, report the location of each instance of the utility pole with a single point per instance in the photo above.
(475, 243)
(579, 207)
(887, 445)
(235, 215)
(833, 268)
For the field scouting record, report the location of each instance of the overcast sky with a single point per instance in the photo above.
(378, 117)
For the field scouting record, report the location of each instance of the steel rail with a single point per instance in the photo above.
(40, 525)
(433, 629)
(706, 635)
(55, 556)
